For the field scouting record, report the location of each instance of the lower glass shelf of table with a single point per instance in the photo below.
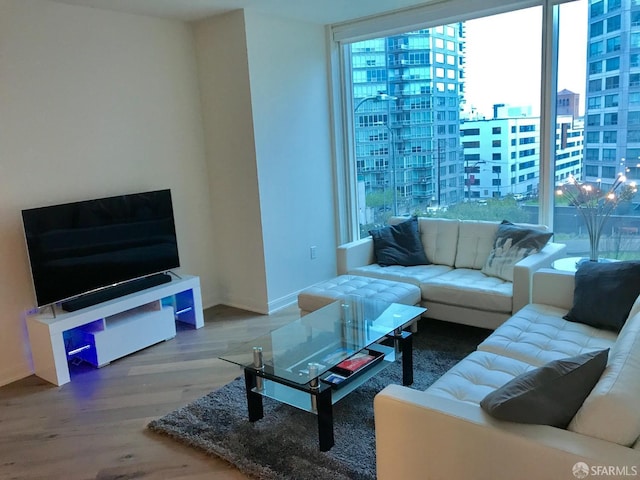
(290, 363)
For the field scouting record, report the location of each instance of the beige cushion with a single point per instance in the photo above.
(469, 288)
(476, 376)
(439, 238)
(475, 242)
(537, 334)
(611, 411)
(415, 275)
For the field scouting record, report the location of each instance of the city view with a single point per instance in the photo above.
(447, 119)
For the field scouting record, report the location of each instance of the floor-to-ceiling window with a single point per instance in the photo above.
(448, 119)
(597, 158)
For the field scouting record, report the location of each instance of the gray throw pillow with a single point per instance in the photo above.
(549, 395)
(512, 244)
(604, 293)
(399, 245)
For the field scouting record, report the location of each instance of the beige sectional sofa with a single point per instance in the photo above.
(453, 287)
(443, 433)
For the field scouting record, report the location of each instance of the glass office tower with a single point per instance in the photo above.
(612, 120)
(408, 90)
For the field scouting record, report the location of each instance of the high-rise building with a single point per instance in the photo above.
(612, 119)
(568, 103)
(407, 92)
(501, 155)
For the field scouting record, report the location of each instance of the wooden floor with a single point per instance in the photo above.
(95, 426)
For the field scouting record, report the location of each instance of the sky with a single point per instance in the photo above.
(504, 56)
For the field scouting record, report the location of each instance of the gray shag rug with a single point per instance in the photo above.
(284, 444)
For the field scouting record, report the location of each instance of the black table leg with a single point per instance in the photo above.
(325, 420)
(254, 400)
(407, 358)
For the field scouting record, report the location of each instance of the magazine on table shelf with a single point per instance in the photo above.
(334, 378)
(346, 370)
(352, 365)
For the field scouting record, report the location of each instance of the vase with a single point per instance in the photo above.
(594, 222)
(594, 241)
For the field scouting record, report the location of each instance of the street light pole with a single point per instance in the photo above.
(379, 97)
(392, 144)
(383, 97)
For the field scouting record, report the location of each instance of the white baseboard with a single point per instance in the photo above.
(251, 306)
(283, 302)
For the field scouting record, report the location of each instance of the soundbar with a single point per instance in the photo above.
(116, 291)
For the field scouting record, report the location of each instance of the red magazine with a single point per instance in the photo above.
(355, 363)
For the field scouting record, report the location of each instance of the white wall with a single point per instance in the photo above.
(234, 119)
(290, 101)
(265, 107)
(94, 103)
(226, 105)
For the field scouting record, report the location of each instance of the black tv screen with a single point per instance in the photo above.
(80, 247)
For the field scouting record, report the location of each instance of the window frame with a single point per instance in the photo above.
(427, 16)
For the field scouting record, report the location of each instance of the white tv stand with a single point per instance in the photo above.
(112, 329)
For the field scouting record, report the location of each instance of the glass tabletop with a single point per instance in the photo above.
(320, 340)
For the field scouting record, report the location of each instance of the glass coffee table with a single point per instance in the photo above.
(317, 360)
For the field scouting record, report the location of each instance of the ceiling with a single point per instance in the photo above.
(313, 11)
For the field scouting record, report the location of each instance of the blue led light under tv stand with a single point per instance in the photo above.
(115, 291)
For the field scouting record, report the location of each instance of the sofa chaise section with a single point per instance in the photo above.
(444, 433)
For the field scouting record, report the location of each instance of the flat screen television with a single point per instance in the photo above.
(89, 246)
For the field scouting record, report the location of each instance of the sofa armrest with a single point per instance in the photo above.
(355, 254)
(553, 287)
(524, 269)
(423, 436)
